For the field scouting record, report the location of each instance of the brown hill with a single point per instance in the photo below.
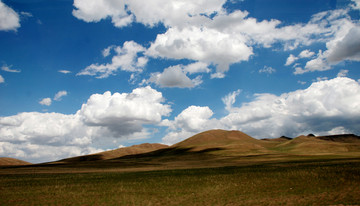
(345, 138)
(112, 154)
(279, 139)
(311, 145)
(6, 161)
(230, 142)
(213, 148)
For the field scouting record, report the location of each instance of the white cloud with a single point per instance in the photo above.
(64, 71)
(343, 73)
(124, 114)
(201, 44)
(240, 33)
(126, 59)
(317, 64)
(9, 19)
(230, 99)
(103, 118)
(106, 52)
(225, 38)
(192, 120)
(268, 70)
(59, 95)
(323, 108)
(45, 101)
(96, 10)
(344, 43)
(8, 69)
(290, 60)
(123, 12)
(174, 76)
(306, 54)
(2, 80)
(197, 67)
(356, 4)
(347, 48)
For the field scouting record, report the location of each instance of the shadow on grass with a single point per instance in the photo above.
(171, 152)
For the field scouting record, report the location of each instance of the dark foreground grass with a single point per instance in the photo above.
(310, 183)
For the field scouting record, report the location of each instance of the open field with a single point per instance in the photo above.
(328, 182)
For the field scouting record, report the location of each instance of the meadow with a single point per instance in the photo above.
(310, 182)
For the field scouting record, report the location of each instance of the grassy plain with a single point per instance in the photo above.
(307, 182)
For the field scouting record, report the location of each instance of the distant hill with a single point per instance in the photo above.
(217, 148)
(6, 161)
(112, 154)
(332, 144)
(229, 142)
(344, 138)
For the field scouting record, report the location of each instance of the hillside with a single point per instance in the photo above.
(214, 148)
(6, 161)
(229, 142)
(312, 145)
(112, 154)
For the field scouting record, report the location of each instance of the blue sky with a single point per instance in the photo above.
(83, 76)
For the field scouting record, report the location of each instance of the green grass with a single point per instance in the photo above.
(296, 183)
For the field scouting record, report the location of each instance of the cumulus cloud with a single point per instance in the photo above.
(317, 64)
(9, 19)
(348, 48)
(306, 54)
(59, 95)
(323, 108)
(174, 76)
(124, 114)
(199, 44)
(236, 29)
(197, 67)
(124, 12)
(204, 31)
(2, 80)
(291, 59)
(343, 45)
(102, 118)
(46, 101)
(126, 59)
(192, 120)
(94, 11)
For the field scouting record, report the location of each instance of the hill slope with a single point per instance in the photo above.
(230, 142)
(113, 154)
(311, 145)
(6, 161)
(215, 148)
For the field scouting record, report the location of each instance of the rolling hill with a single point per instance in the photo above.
(113, 154)
(6, 161)
(223, 145)
(215, 148)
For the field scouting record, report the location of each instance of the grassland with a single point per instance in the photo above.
(320, 182)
